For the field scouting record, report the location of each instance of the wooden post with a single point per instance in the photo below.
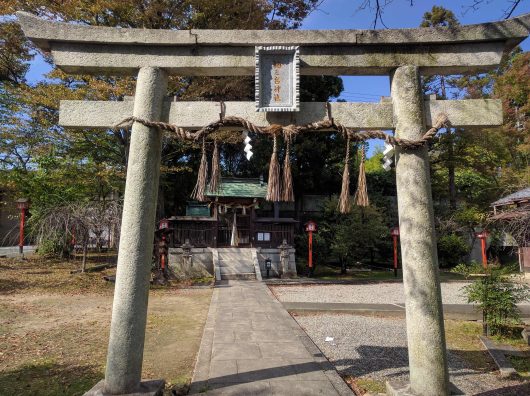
(251, 227)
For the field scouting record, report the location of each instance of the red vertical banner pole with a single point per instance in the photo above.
(310, 262)
(162, 253)
(484, 257)
(394, 237)
(21, 234)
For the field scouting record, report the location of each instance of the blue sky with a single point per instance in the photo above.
(345, 14)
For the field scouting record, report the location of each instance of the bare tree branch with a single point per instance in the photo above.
(79, 223)
(507, 13)
(515, 222)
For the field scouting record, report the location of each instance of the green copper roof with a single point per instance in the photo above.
(240, 188)
(194, 208)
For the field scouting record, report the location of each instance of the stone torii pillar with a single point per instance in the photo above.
(129, 309)
(423, 299)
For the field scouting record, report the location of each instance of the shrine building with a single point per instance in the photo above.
(233, 219)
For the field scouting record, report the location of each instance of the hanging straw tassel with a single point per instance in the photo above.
(200, 187)
(361, 195)
(344, 200)
(287, 188)
(273, 187)
(215, 180)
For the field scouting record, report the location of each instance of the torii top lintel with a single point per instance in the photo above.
(104, 50)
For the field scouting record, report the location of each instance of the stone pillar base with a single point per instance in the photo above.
(147, 388)
(400, 389)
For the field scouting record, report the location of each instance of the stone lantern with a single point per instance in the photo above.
(285, 251)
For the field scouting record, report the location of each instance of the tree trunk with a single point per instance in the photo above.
(342, 266)
(451, 171)
(161, 206)
(85, 251)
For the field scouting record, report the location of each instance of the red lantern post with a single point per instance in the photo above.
(395, 234)
(483, 236)
(310, 227)
(23, 205)
(163, 247)
(164, 223)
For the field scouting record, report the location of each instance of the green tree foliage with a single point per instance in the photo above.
(29, 114)
(381, 186)
(452, 249)
(498, 299)
(439, 86)
(512, 86)
(439, 16)
(472, 167)
(349, 238)
(14, 53)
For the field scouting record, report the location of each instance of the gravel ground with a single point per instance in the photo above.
(380, 293)
(376, 348)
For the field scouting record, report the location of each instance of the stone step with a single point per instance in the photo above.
(236, 269)
(238, 276)
(228, 270)
(234, 257)
(235, 251)
(232, 270)
(236, 263)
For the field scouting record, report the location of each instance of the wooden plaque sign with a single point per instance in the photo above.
(277, 78)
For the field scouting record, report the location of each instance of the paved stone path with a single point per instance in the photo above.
(252, 346)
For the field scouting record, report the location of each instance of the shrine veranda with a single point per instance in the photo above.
(404, 55)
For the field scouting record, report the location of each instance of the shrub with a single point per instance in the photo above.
(467, 269)
(452, 249)
(497, 297)
(53, 248)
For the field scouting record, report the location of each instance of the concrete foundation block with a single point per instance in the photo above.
(403, 389)
(147, 388)
(397, 389)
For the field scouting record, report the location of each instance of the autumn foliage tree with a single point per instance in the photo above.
(95, 161)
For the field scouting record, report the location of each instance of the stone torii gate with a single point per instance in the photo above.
(152, 55)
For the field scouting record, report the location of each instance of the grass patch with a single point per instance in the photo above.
(462, 339)
(512, 336)
(371, 385)
(38, 274)
(521, 365)
(327, 272)
(54, 329)
(46, 377)
(365, 385)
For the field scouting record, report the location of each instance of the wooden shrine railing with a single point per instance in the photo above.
(210, 233)
(200, 233)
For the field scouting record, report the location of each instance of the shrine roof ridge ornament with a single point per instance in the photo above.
(83, 49)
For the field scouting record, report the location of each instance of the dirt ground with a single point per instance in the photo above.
(54, 329)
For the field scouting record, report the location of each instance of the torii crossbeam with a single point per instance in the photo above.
(403, 54)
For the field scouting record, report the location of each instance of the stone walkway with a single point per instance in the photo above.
(252, 346)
